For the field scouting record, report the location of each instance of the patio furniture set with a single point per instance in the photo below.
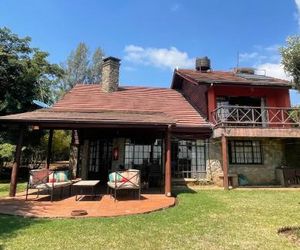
(51, 180)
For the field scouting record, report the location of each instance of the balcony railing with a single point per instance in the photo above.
(237, 116)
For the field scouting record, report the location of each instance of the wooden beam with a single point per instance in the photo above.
(85, 160)
(225, 162)
(16, 165)
(49, 148)
(168, 162)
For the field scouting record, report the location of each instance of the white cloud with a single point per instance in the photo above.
(248, 56)
(297, 2)
(266, 61)
(158, 57)
(273, 69)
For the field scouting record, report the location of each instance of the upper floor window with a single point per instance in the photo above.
(245, 152)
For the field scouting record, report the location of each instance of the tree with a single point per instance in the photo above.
(60, 144)
(291, 58)
(25, 74)
(96, 67)
(79, 68)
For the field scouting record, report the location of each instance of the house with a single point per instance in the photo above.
(208, 125)
(255, 130)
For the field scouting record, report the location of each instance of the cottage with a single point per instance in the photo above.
(255, 130)
(209, 125)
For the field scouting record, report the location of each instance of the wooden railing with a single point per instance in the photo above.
(237, 116)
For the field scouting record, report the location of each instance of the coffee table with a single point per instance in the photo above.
(81, 185)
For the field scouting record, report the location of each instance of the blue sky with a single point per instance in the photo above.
(153, 37)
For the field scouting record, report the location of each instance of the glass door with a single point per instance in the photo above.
(100, 158)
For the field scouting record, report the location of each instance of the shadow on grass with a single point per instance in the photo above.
(11, 226)
(182, 189)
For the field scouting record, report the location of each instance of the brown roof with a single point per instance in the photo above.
(90, 117)
(229, 77)
(88, 103)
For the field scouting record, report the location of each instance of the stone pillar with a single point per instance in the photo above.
(73, 160)
(110, 74)
(74, 153)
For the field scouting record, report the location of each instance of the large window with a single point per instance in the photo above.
(142, 153)
(188, 158)
(245, 152)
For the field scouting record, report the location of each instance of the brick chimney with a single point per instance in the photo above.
(110, 74)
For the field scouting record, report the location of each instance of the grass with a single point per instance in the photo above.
(208, 219)
(4, 187)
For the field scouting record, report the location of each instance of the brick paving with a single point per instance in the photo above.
(100, 206)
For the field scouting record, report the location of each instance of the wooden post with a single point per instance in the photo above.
(85, 158)
(225, 162)
(168, 162)
(16, 165)
(49, 148)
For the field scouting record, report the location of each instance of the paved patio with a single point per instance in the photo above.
(100, 206)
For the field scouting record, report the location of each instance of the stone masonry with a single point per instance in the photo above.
(110, 74)
(273, 157)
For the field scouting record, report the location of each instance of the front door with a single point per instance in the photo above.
(100, 158)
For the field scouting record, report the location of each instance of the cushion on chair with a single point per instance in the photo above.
(38, 176)
(115, 177)
(59, 176)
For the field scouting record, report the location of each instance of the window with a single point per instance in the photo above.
(245, 152)
(188, 158)
(142, 153)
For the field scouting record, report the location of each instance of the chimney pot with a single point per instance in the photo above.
(110, 74)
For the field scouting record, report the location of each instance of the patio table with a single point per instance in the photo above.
(85, 184)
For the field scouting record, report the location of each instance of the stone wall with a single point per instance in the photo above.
(214, 162)
(273, 157)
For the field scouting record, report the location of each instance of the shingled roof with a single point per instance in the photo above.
(229, 77)
(129, 105)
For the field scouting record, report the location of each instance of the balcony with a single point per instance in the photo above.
(249, 116)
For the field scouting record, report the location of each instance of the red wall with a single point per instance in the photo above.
(275, 97)
(196, 94)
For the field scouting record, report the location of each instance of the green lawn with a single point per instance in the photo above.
(4, 188)
(209, 219)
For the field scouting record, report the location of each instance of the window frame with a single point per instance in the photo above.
(254, 150)
(136, 151)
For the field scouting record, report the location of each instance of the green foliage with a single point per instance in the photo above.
(6, 152)
(60, 144)
(25, 74)
(80, 68)
(291, 58)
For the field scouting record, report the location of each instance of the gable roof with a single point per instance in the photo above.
(129, 105)
(228, 77)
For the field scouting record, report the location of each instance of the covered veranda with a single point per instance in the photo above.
(145, 127)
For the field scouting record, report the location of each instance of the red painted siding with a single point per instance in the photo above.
(275, 97)
(196, 95)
